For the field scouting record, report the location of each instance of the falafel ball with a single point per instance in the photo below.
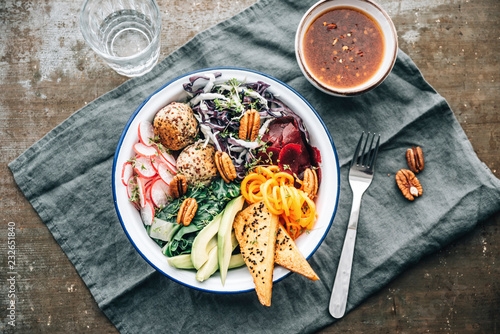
(176, 126)
(197, 163)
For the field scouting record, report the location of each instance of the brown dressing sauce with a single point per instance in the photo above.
(343, 48)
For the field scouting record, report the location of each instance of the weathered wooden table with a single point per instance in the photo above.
(47, 73)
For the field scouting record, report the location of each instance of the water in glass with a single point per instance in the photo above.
(124, 33)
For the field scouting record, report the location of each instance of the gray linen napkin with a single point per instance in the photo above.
(76, 202)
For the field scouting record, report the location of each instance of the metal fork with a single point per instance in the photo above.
(360, 177)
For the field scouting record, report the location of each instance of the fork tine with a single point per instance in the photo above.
(362, 156)
(356, 152)
(367, 158)
(375, 152)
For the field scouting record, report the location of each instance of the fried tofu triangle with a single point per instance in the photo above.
(288, 255)
(255, 229)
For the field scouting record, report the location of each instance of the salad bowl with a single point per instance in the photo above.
(238, 279)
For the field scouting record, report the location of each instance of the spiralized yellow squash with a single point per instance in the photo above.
(276, 188)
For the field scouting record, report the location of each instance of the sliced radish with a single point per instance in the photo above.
(136, 206)
(131, 186)
(165, 173)
(159, 193)
(148, 213)
(155, 161)
(161, 159)
(144, 168)
(146, 133)
(169, 159)
(142, 191)
(127, 172)
(147, 186)
(147, 191)
(144, 151)
(173, 170)
(149, 182)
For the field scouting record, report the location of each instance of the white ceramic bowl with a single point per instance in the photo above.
(370, 9)
(238, 280)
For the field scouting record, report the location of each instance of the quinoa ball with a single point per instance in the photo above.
(176, 126)
(197, 163)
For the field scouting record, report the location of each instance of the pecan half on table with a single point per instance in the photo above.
(178, 186)
(225, 166)
(408, 184)
(249, 125)
(415, 159)
(187, 211)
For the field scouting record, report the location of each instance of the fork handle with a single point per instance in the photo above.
(338, 300)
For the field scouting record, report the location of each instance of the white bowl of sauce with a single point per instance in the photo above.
(346, 47)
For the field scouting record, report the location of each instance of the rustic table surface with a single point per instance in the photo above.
(47, 72)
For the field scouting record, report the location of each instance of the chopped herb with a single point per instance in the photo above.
(132, 161)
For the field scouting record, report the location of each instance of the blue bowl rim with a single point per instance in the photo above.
(186, 75)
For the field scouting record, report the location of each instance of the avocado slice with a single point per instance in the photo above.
(209, 267)
(224, 245)
(236, 261)
(182, 261)
(205, 241)
(212, 264)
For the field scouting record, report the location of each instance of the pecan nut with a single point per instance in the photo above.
(408, 184)
(415, 159)
(310, 183)
(225, 166)
(178, 186)
(187, 211)
(249, 125)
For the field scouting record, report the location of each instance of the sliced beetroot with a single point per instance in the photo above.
(282, 131)
(270, 156)
(283, 121)
(291, 134)
(304, 160)
(274, 134)
(274, 154)
(318, 172)
(316, 156)
(316, 160)
(288, 158)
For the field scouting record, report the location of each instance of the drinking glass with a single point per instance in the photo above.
(125, 33)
